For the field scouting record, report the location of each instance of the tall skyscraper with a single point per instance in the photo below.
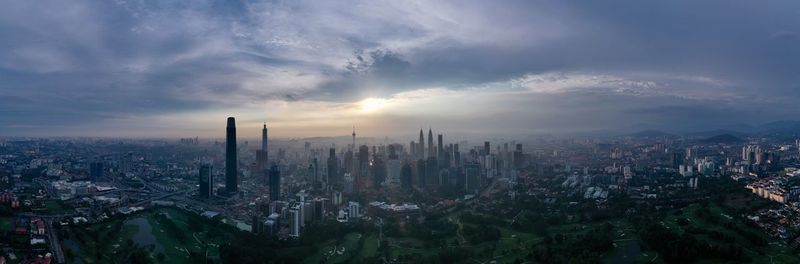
(486, 148)
(472, 172)
(230, 157)
(431, 153)
(264, 137)
(431, 173)
(421, 146)
(262, 155)
(354, 139)
(378, 170)
(206, 182)
(362, 168)
(439, 147)
(274, 183)
(421, 181)
(333, 167)
(406, 173)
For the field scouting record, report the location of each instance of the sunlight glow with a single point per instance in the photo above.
(371, 105)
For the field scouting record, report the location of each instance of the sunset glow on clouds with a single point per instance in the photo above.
(318, 68)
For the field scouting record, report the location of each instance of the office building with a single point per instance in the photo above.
(262, 155)
(421, 146)
(95, 170)
(206, 181)
(294, 222)
(406, 175)
(431, 153)
(353, 211)
(231, 163)
(274, 183)
(333, 167)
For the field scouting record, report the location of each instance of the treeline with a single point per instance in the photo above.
(686, 248)
(582, 248)
(480, 234)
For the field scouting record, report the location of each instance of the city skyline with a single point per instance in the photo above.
(174, 70)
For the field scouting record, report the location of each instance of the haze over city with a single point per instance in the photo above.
(397, 132)
(311, 68)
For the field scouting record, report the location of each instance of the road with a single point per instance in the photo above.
(55, 244)
(161, 197)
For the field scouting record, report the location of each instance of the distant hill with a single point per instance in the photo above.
(724, 138)
(652, 134)
(716, 132)
(781, 127)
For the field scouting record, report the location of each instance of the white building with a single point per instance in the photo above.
(354, 211)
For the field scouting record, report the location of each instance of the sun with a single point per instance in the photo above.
(371, 105)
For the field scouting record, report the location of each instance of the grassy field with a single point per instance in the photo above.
(116, 238)
(6, 224)
(55, 207)
(775, 252)
(369, 248)
(328, 252)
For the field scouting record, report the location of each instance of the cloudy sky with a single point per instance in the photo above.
(316, 68)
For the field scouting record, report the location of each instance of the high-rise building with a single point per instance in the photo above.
(439, 147)
(421, 146)
(412, 148)
(406, 173)
(95, 170)
(431, 173)
(353, 211)
(262, 155)
(319, 210)
(264, 137)
(206, 181)
(333, 167)
(431, 153)
(378, 170)
(294, 224)
(230, 157)
(362, 168)
(421, 177)
(486, 148)
(274, 183)
(393, 172)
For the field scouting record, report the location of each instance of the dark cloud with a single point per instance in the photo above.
(82, 63)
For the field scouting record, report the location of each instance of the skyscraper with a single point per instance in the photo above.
(472, 173)
(262, 155)
(264, 137)
(431, 154)
(378, 170)
(333, 167)
(354, 139)
(230, 157)
(421, 146)
(439, 147)
(206, 182)
(431, 173)
(406, 173)
(421, 177)
(274, 183)
(362, 168)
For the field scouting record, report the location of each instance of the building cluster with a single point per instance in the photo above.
(775, 189)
